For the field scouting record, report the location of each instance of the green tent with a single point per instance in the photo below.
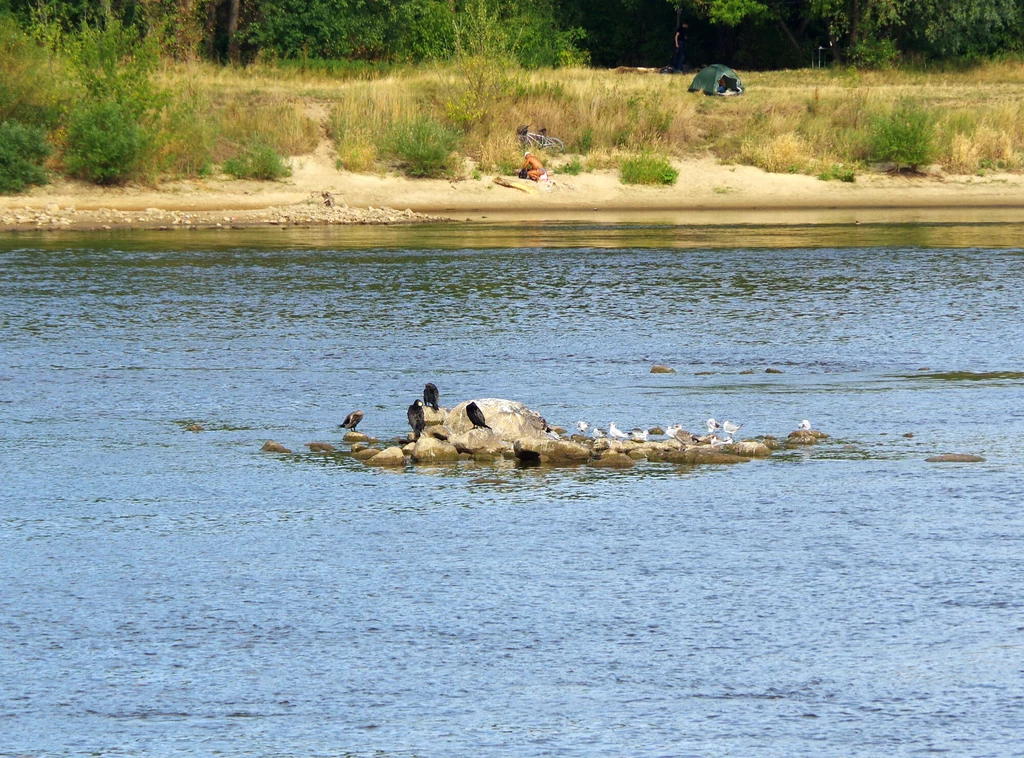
(707, 79)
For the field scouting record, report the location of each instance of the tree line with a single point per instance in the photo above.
(750, 34)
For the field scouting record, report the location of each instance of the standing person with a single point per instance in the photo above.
(679, 58)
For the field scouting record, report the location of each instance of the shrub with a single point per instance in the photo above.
(840, 172)
(257, 161)
(22, 151)
(904, 137)
(425, 148)
(105, 143)
(648, 169)
(573, 168)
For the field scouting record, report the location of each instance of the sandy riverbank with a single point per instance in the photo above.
(704, 185)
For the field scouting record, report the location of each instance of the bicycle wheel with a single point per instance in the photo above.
(554, 143)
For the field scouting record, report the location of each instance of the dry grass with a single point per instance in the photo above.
(787, 120)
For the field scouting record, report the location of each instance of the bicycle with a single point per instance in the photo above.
(538, 140)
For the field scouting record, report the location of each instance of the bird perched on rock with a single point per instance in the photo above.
(730, 428)
(416, 418)
(677, 432)
(805, 426)
(476, 416)
(598, 433)
(582, 426)
(639, 435)
(615, 433)
(712, 425)
(431, 395)
(352, 420)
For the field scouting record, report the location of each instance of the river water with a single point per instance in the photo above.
(166, 592)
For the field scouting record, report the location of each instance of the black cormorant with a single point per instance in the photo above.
(476, 416)
(430, 395)
(352, 420)
(416, 418)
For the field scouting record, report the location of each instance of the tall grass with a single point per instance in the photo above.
(808, 121)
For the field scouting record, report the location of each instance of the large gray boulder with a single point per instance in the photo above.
(509, 419)
(480, 442)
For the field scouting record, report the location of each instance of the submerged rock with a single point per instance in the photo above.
(365, 453)
(274, 447)
(320, 447)
(955, 458)
(659, 368)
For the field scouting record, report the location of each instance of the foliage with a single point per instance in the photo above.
(647, 168)
(838, 171)
(904, 137)
(114, 63)
(22, 152)
(314, 28)
(486, 64)
(105, 143)
(872, 53)
(187, 136)
(424, 147)
(573, 168)
(31, 90)
(257, 161)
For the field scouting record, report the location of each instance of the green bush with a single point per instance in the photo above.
(32, 89)
(647, 169)
(105, 143)
(904, 137)
(573, 168)
(22, 152)
(838, 171)
(257, 161)
(424, 148)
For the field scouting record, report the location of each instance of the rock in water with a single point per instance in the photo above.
(509, 419)
(320, 447)
(955, 458)
(432, 450)
(274, 447)
(392, 456)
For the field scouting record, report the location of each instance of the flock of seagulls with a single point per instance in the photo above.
(431, 397)
(674, 431)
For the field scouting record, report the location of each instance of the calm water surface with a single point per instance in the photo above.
(167, 592)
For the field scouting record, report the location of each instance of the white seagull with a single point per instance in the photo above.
(582, 426)
(731, 428)
(715, 442)
(805, 426)
(597, 433)
(640, 435)
(712, 425)
(615, 433)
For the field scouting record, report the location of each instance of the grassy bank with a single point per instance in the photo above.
(426, 121)
(827, 122)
